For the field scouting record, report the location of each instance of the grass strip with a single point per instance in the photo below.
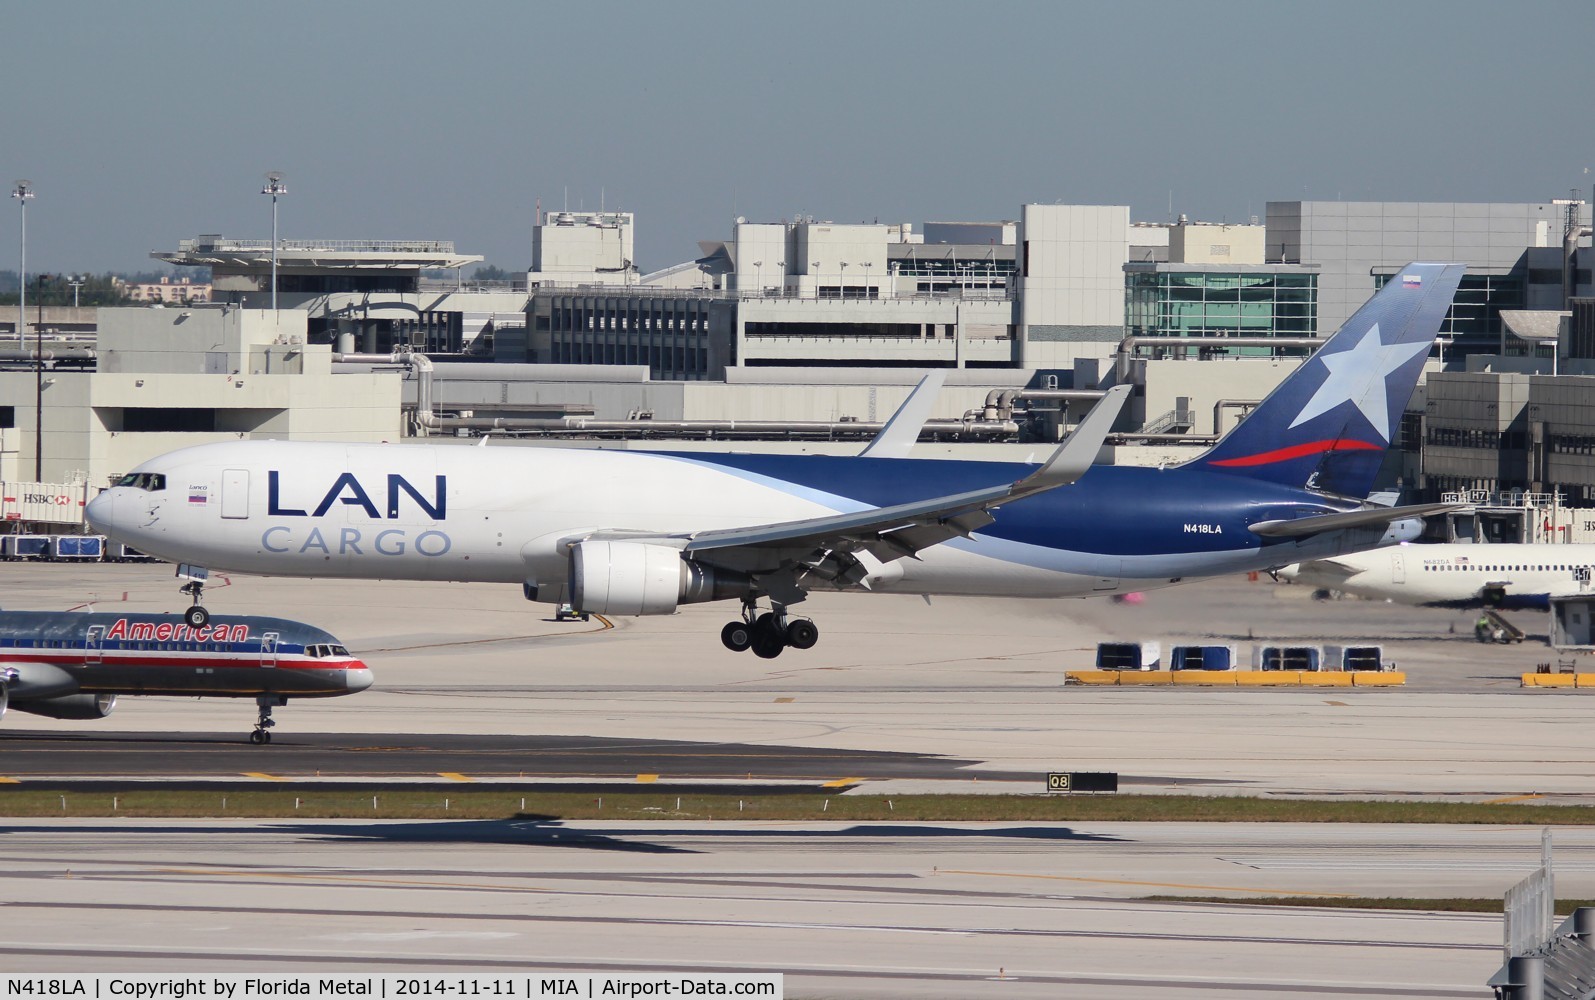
(1459, 905)
(484, 804)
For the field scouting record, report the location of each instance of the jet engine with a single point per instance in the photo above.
(70, 706)
(639, 578)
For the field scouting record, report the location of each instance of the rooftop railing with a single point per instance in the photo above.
(776, 294)
(222, 244)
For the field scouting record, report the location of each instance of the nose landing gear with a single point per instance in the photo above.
(196, 616)
(263, 724)
(769, 633)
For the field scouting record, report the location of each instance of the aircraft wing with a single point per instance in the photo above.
(902, 430)
(845, 548)
(1302, 526)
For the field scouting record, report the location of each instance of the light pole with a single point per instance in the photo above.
(76, 281)
(22, 192)
(842, 278)
(780, 265)
(758, 275)
(274, 187)
(866, 266)
(814, 267)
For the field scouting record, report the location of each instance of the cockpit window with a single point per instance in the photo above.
(153, 482)
(339, 651)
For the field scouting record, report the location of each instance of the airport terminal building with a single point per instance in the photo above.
(819, 329)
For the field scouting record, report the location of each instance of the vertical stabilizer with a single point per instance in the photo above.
(1327, 426)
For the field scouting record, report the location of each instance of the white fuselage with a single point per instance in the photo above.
(1454, 573)
(509, 514)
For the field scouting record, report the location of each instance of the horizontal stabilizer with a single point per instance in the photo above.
(1317, 524)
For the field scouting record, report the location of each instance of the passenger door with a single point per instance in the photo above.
(93, 654)
(235, 493)
(268, 650)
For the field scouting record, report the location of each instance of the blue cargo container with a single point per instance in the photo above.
(77, 548)
(24, 547)
(1202, 658)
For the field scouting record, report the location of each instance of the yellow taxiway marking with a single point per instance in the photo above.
(10, 781)
(357, 879)
(1512, 798)
(785, 701)
(645, 778)
(1156, 885)
(263, 776)
(841, 782)
(454, 776)
(607, 623)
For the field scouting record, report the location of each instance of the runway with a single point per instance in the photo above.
(473, 680)
(36, 758)
(879, 910)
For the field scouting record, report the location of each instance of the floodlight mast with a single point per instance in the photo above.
(274, 187)
(22, 192)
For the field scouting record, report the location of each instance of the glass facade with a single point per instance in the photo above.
(1474, 322)
(1200, 303)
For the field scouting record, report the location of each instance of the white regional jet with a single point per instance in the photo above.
(1496, 575)
(640, 533)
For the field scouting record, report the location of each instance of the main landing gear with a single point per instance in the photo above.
(263, 724)
(768, 633)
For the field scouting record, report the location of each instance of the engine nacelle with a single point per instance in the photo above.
(71, 706)
(639, 578)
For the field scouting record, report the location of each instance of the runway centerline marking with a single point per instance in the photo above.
(1154, 885)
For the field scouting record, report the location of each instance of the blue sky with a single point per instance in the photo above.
(142, 124)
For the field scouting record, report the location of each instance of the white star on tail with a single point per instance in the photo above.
(1358, 377)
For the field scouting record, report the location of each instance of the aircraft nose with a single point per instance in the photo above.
(357, 678)
(101, 513)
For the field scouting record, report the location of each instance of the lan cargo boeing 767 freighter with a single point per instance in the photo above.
(633, 533)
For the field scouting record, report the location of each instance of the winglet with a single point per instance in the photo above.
(902, 430)
(1079, 450)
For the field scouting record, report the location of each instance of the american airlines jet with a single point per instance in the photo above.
(636, 533)
(72, 664)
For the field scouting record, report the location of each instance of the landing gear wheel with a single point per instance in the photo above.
(767, 645)
(802, 634)
(196, 617)
(769, 637)
(264, 721)
(737, 636)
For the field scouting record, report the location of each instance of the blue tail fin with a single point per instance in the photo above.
(1326, 427)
